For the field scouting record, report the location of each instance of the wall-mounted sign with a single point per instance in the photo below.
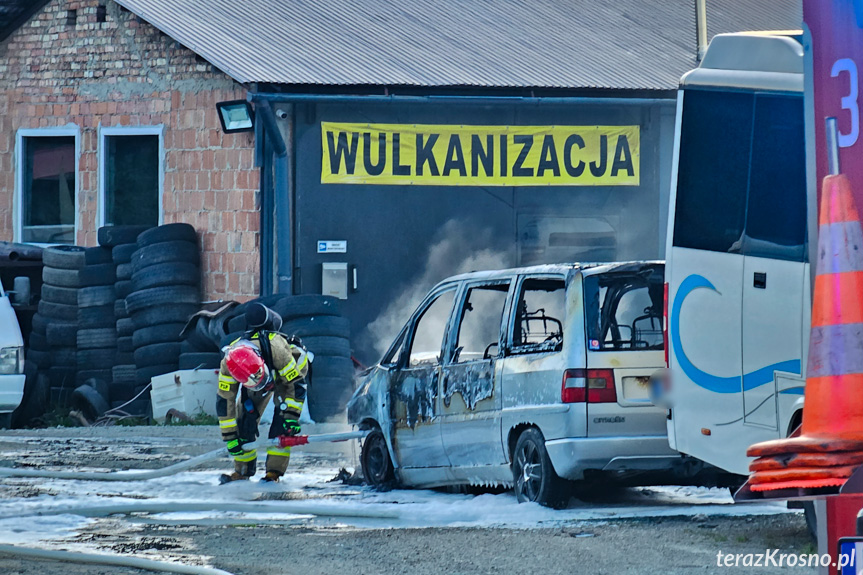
(332, 246)
(451, 155)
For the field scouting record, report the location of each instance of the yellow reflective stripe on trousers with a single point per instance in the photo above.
(279, 451)
(228, 423)
(247, 456)
(298, 405)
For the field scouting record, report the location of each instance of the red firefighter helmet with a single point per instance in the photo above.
(245, 364)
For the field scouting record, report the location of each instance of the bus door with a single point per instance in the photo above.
(773, 268)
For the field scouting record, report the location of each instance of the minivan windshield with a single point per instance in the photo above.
(624, 310)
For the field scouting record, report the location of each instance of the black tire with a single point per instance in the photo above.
(200, 360)
(534, 477)
(100, 255)
(98, 275)
(230, 338)
(306, 306)
(237, 323)
(124, 373)
(59, 311)
(124, 272)
(97, 338)
(52, 294)
(124, 344)
(168, 233)
(40, 323)
(328, 397)
(42, 359)
(157, 354)
(318, 326)
(61, 376)
(97, 358)
(125, 327)
(332, 366)
(120, 309)
(160, 296)
(177, 251)
(89, 402)
(122, 289)
(173, 313)
(62, 334)
(110, 236)
(167, 333)
(96, 296)
(376, 462)
(145, 374)
(38, 341)
(122, 254)
(61, 277)
(63, 257)
(98, 379)
(125, 358)
(95, 317)
(328, 345)
(167, 274)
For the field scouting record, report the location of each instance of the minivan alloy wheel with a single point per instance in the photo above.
(375, 459)
(530, 476)
(533, 474)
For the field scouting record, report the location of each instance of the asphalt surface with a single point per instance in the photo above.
(249, 546)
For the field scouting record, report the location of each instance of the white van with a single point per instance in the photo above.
(737, 272)
(11, 361)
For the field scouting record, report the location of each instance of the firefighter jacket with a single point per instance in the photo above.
(289, 365)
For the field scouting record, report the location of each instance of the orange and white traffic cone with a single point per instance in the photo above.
(830, 446)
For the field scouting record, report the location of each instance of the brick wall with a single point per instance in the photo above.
(124, 72)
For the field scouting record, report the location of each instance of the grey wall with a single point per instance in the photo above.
(404, 239)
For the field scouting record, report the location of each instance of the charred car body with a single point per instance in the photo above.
(523, 377)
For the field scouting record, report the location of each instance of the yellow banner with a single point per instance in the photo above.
(443, 155)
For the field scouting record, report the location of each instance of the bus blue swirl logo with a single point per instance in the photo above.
(706, 380)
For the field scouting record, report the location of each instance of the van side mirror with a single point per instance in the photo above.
(21, 291)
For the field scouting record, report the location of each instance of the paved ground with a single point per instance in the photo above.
(637, 531)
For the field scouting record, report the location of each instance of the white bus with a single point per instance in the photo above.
(737, 272)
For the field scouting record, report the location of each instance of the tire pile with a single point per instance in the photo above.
(165, 285)
(121, 243)
(53, 340)
(315, 319)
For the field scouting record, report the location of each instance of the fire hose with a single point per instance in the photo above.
(282, 441)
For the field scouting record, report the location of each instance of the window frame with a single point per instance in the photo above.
(509, 348)
(457, 319)
(408, 342)
(64, 131)
(107, 132)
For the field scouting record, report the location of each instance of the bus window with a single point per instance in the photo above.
(776, 216)
(715, 139)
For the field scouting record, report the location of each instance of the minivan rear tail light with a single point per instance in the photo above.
(665, 322)
(590, 385)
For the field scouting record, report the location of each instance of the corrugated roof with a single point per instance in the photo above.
(617, 44)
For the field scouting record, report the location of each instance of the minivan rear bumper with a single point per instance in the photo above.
(11, 392)
(572, 456)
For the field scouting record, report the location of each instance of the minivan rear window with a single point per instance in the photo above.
(624, 311)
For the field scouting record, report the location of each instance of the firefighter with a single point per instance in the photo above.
(261, 365)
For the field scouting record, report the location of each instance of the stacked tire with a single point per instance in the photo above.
(166, 285)
(97, 336)
(121, 240)
(53, 342)
(317, 321)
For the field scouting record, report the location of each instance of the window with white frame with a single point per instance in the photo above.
(46, 169)
(131, 175)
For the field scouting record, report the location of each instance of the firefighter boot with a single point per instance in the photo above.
(225, 478)
(271, 477)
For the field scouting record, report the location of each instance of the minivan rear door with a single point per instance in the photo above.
(624, 347)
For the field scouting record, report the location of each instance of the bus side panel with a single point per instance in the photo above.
(705, 327)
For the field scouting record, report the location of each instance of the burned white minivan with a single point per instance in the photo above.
(523, 377)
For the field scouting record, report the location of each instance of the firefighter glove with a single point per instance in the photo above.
(235, 448)
(291, 427)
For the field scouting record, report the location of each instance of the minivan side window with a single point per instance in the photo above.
(623, 311)
(479, 323)
(540, 310)
(429, 330)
